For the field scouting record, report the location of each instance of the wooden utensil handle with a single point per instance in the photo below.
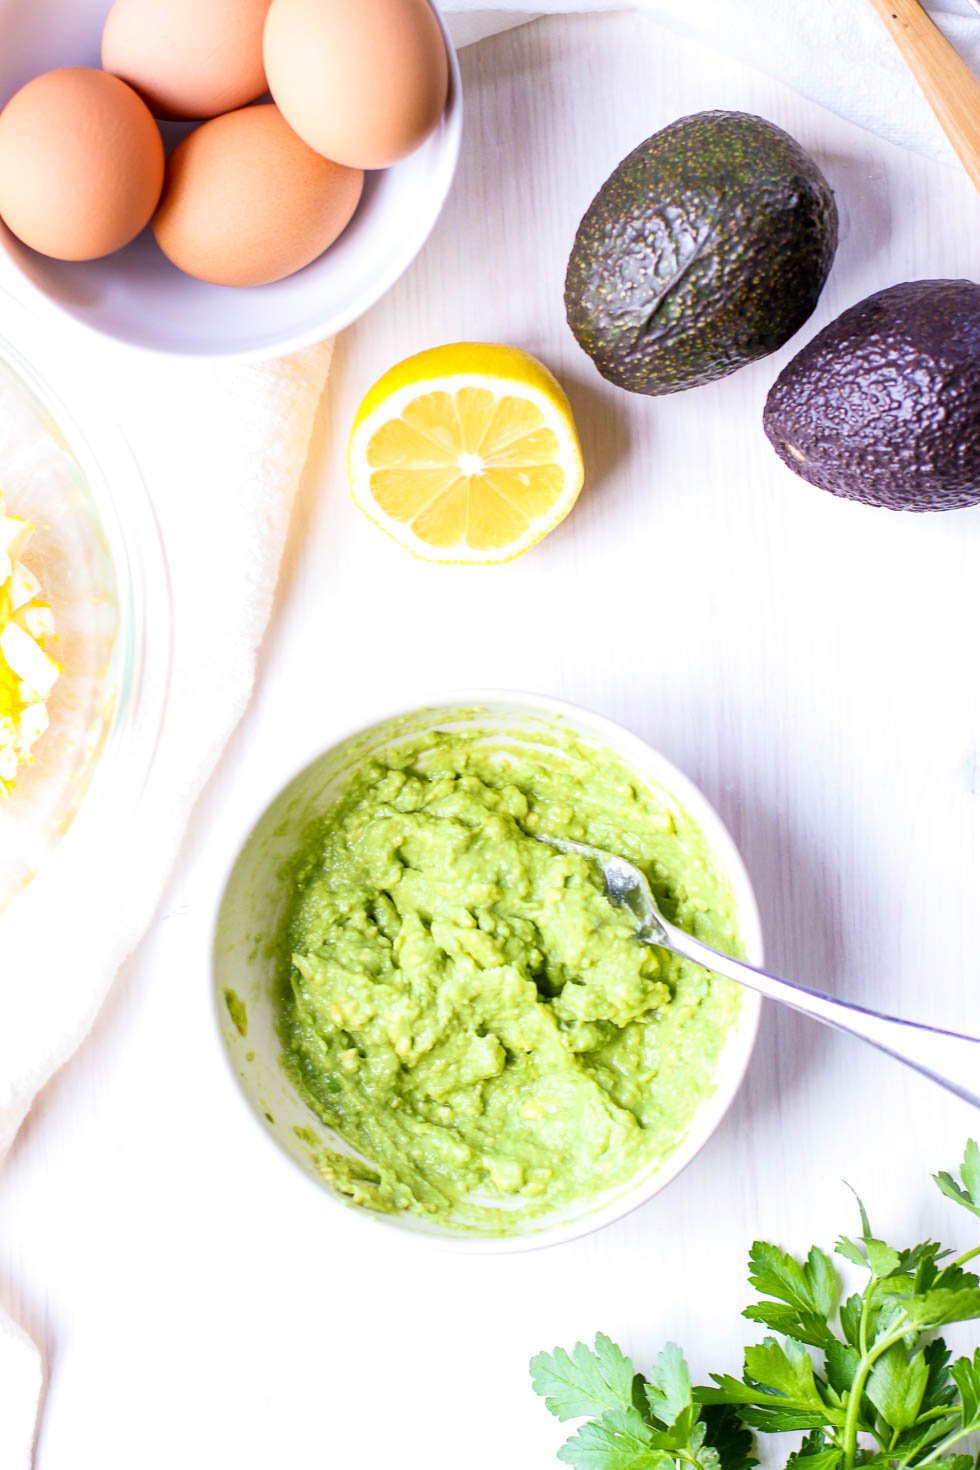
(953, 92)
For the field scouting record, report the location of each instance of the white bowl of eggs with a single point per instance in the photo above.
(221, 178)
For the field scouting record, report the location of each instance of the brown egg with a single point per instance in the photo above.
(362, 81)
(188, 58)
(246, 201)
(81, 164)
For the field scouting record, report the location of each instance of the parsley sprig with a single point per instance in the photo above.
(865, 1380)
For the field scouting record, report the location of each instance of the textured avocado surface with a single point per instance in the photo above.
(706, 249)
(883, 405)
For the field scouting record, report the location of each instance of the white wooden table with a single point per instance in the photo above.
(811, 664)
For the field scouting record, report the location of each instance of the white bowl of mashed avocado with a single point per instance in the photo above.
(442, 1020)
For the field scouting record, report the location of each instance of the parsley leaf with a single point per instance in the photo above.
(850, 1319)
(635, 1423)
(841, 1363)
(728, 1437)
(811, 1287)
(805, 1293)
(585, 1381)
(878, 1257)
(897, 1384)
(778, 1392)
(967, 1193)
(815, 1453)
(937, 1308)
(783, 1370)
(804, 1326)
(669, 1391)
(965, 1372)
(618, 1440)
(940, 1389)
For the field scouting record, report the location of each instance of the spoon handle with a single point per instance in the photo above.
(951, 89)
(948, 1058)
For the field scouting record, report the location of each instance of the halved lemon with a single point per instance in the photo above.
(466, 453)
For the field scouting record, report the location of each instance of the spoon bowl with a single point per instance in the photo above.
(946, 1057)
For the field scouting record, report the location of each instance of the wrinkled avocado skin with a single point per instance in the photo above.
(706, 249)
(883, 406)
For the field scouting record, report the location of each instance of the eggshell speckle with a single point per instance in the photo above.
(247, 202)
(188, 58)
(81, 164)
(362, 81)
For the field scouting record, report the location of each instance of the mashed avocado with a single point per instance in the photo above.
(462, 1004)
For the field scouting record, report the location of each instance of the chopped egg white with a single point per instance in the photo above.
(27, 672)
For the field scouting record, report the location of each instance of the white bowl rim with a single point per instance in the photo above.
(29, 293)
(714, 1108)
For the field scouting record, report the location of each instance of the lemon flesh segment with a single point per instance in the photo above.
(465, 470)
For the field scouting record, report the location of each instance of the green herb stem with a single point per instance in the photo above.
(865, 1313)
(853, 1414)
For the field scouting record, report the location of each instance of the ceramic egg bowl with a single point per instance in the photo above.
(137, 297)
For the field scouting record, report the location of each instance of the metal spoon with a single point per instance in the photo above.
(948, 1058)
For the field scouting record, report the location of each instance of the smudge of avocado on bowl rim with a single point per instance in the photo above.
(237, 1010)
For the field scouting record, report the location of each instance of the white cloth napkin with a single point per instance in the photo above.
(836, 52)
(222, 450)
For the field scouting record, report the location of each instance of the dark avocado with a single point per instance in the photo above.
(706, 249)
(883, 405)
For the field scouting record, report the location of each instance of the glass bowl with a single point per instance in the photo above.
(98, 555)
